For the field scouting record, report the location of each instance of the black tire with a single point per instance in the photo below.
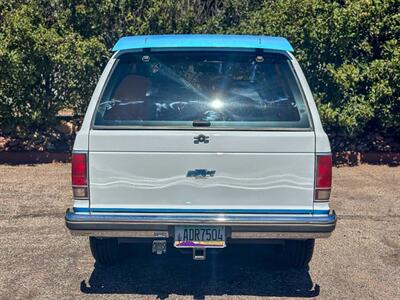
(105, 251)
(298, 253)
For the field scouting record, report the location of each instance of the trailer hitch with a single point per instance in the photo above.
(199, 253)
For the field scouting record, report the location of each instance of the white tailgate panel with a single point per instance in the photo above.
(147, 170)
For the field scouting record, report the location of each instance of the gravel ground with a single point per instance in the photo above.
(40, 260)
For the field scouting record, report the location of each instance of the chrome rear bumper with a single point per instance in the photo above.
(238, 226)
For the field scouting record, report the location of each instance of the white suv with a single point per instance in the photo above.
(202, 141)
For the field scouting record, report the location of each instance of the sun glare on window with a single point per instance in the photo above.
(217, 104)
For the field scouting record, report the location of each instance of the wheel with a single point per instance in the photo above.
(105, 250)
(298, 253)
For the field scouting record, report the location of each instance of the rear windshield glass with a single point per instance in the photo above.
(212, 89)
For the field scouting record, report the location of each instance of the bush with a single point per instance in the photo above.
(44, 67)
(350, 52)
(52, 52)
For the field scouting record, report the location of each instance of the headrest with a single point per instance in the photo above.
(132, 88)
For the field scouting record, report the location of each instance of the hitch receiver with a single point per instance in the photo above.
(199, 253)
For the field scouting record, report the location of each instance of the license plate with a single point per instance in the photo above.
(199, 237)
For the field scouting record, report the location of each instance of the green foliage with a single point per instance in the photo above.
(52, 52)
(350, 53)
(44, 67)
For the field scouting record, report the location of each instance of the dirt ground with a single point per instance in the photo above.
(39, 259)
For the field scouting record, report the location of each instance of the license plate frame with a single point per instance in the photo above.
(199, 236)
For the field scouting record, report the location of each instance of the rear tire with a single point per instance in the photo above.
(298, 253)
(105, 251)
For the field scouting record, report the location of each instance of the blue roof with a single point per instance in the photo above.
(203, 41)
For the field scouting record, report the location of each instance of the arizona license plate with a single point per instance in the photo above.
(199, 236)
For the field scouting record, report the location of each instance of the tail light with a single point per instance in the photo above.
(79, 176)
(323, 182)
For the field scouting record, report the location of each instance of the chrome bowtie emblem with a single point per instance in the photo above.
(200, 173)
(201, 139)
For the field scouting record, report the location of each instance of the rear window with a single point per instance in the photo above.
(216, 89)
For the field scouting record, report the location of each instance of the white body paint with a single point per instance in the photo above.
(254, 170)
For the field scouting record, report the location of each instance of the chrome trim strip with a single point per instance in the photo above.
(234, 234)
(121, 233)
(216, 219)
(279, 235)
